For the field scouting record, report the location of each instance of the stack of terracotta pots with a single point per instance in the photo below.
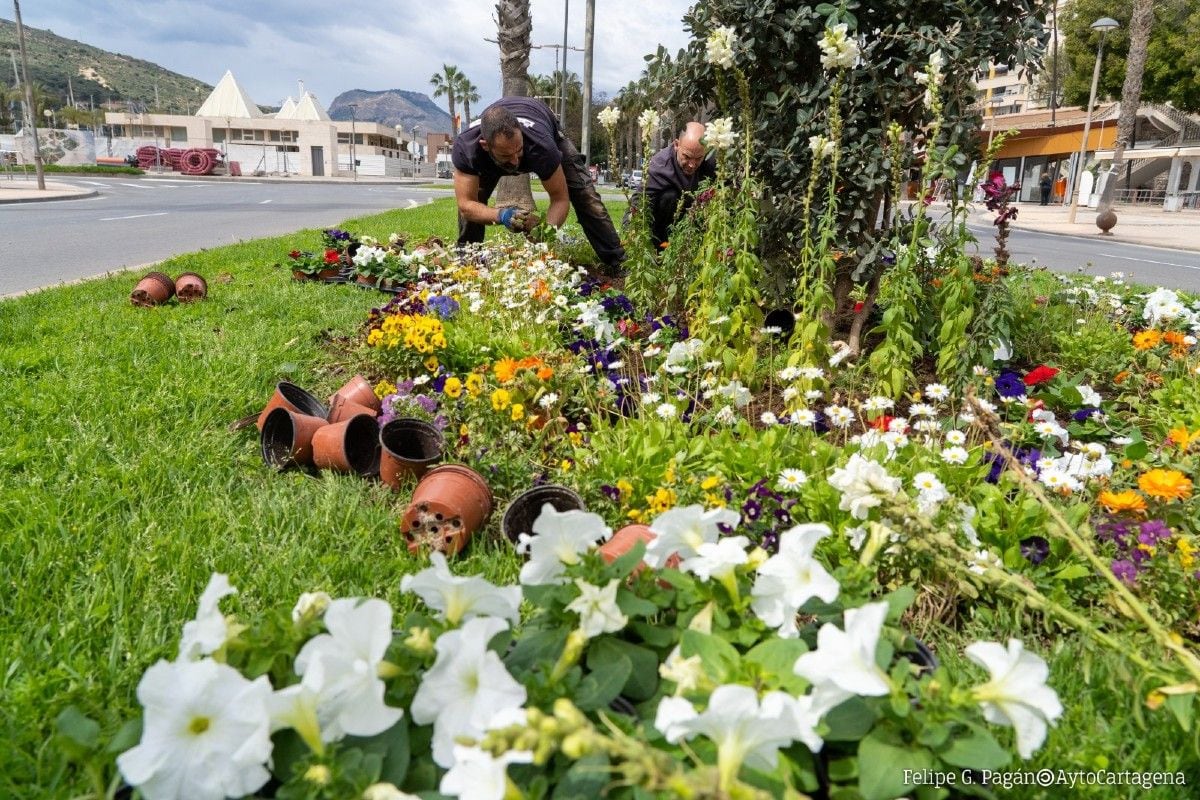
(156, 288)
(298, 430)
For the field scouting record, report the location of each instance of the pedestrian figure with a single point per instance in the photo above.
(1045, 186)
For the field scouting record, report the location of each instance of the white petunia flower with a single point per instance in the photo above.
(863, 484)
(685, 673)
(597, 608)
(1017, 694)
(845, 660)
(206, 633)
(735, 391)
(460, 598)
(466, 686)
(559, 538)
(717, 559)
(478, 775)
(205, 733)
(788, 579)
(684, 529)
(310, 604)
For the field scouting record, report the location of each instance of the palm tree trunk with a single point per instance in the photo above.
(1140, 23)
(513, 25)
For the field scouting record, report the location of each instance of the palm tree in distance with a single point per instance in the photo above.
(513, 26)
(446, 83)
(468, 93)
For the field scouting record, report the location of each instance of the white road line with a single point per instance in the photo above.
(412, 203)
(1148, 261)
(263, 202)
(135, 185)
(94, 183)
(134, 216)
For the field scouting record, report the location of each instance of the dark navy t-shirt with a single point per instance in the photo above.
(539, 130)
(665, 175)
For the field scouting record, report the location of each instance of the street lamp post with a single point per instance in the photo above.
(1104, 25)
(353, 136)
(995, 102)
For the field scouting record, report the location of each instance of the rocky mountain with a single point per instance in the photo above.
(392, 107)
(97, 75)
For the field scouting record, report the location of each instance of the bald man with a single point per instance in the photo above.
(675, 172)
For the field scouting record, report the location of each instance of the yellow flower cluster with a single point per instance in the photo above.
(1184, 550)
(662, 500)
(417, 332)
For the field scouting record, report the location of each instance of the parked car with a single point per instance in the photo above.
(444, 170)
(635, 181)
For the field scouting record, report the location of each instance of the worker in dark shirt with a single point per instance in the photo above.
(513, 136)
(674, 173)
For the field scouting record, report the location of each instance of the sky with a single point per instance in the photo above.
(270, 45)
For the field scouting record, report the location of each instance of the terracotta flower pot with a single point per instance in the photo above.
(190, 287)
(153, 289)
(526, 507)
(290, 396)
(286, 438)
(329, 275)
(449, 504)
(409, 448)
(342, 409)
(624, 540)
(358, 390)
(350, 446)
(302, 276)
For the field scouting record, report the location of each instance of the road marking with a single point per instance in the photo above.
(94, 183)
(1148, 261)
(135, 186)
(134, 216)
(263, 202)
(412, 203)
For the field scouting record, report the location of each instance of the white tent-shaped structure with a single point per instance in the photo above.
(287, 110)
(307, 108)
(229, 99)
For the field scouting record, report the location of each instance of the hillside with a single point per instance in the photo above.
(392, 107)
(97, 75)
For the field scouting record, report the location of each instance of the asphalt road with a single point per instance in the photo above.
(135, 221)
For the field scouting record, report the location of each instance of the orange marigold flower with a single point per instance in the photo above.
(539, 290)
(529, 362)
(1166, 484)
(1121, 376)
(1181, 437)
(1127, 500)
(505, 369)
(1144, 340)
(545, 373)
(1175, 339)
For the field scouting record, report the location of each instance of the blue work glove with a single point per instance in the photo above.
(510, 218)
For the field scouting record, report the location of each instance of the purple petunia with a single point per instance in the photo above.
(1126, 570)
(1010, 384)
(1035, 549)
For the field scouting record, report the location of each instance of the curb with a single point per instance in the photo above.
(42, 199)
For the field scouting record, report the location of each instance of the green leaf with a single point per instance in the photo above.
(777, 658)
(975, 751)
(129, 734)
(535, 646)
(718, 657)
(1071, 572)
(660, 636)
(1181, 705)
(882, 762)
(633, 606)
(586, 778)
(392, 748)
(643, 677)
(78, 728)
(601, 687)
(850, 721)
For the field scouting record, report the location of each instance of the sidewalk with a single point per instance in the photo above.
(26, 191)
(1178, 230)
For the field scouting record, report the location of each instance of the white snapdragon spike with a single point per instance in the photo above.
(465, 688)
(478, 775)
(349, 686)
(846, 659)
(838, 51)
(206, 633)
(864, 484)
(649, 122)
(310, 605)
(719, 134)
(967, 524)
(559, 538)
(683, 529)
(205, 736)
(788, 579)
(597, 608)
(685, 673)
(719, 47)
(931, 493)
(745, 730)
(458, 598)
(717, 560)
(821, 147)
(1017, 694)
(790, 480)
(609, 117)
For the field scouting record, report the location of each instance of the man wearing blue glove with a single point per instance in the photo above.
(513, 136)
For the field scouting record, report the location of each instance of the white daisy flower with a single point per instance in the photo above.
(790, 480)
(954, 455)
(956, 437)
(937, 392)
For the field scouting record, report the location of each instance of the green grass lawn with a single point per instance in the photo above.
(122, 488)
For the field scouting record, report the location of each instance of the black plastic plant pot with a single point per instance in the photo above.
(525, 508)
(783, 319)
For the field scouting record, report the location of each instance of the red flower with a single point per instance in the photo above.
(294, 254)
(881, 423)
(1040, 374)
(858, 306)
(332, 256)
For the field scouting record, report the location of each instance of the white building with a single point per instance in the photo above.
(300, 139)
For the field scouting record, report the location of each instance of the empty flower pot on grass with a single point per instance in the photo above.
(286, 438)
(153, 289)
(449, 504)
(524, 509)
(290, 396)
(190, 287)
(349, 446)
(357, 390)
(342, 409)
(409, 448)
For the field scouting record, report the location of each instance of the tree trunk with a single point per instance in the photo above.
(513, 25)
(1140, 23)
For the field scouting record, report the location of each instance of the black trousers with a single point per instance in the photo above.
(589, 208)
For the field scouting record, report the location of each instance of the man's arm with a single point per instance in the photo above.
(556, 187)
(466, 192)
